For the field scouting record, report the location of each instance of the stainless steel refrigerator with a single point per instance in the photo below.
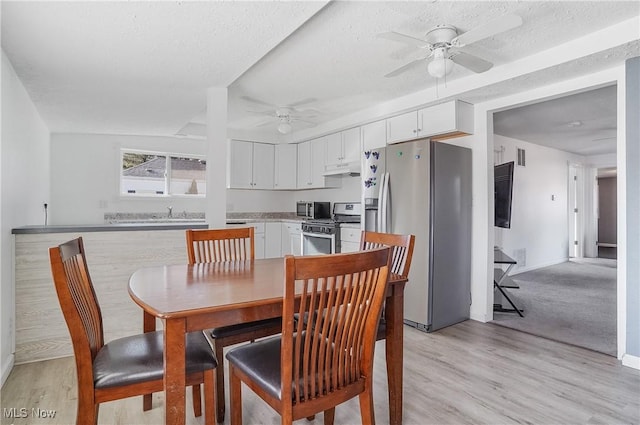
(424, 188)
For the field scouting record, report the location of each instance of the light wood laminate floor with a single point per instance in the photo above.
(470, 373)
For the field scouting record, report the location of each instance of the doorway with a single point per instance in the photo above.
(607, 215)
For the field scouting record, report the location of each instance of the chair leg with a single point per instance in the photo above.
(219, 395)
(209, 396)
(197, 401)
(366, 407)
(147, 401)
(235, 388)
(329, 416)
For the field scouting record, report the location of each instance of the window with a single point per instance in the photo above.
(162, 174)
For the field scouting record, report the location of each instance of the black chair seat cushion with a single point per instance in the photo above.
(139, 358)
(261, 361)
(240, 328)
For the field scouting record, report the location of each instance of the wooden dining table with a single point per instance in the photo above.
(201, 296)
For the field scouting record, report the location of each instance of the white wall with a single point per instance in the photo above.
(24, 187)
(85, 172)
(539, 224)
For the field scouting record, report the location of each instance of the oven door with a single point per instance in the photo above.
(318, 243)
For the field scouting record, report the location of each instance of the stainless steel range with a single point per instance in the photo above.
(322, 236)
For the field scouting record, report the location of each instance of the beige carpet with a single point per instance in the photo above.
(572, 302)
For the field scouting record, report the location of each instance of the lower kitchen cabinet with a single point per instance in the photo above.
(291, 238)
(350, 238)
(272, 239)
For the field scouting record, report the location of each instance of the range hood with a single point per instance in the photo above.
(348, 168)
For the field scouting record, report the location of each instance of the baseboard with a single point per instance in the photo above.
(631, 361)
(6, 369)
(515, 271)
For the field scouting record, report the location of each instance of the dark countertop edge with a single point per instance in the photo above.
(124, 227)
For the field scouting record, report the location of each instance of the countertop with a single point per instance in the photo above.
(232, 218)
(118, 227)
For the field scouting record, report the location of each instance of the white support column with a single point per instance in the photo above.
(216, 208)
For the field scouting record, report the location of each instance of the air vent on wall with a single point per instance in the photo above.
(521, 157)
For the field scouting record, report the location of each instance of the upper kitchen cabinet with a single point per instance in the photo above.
(343, 151)
(286, 159)
(446, 120)
(250, 165)
(374, 135)
(311, 165)
(403, 127)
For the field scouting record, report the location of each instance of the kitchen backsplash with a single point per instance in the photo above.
(121, 217)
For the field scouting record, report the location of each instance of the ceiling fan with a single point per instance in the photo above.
(285, 115)
(443, 41)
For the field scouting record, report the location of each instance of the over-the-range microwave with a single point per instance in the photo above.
(313, 210)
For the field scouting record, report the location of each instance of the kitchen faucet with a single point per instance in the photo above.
(170, 211)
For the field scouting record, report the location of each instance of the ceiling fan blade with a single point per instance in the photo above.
(265, 121)
(305, 122)
(302, 102)
(259, 102)
(402, 38)
(471, 62)
(495, 26)
(405, 68)
(267, 113)
(306, 113)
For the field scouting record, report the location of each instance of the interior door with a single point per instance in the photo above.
(607, 217)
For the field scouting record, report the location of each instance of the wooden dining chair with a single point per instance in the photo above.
(219, 245)
(401, 255)
(124, 367)
(311, 369)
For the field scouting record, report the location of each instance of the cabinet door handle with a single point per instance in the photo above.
(415, 131)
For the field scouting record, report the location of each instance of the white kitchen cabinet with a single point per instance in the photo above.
(311, 165)
(304, 179)
(343, 147)
(272, 239)
(443, 121)
(240, 165)
(374, 135)
(291, 238)
(335, 151)
(263, 166)
(403, 127)
(449, 119)
(350, 238)
(250, 165)
(285, 171)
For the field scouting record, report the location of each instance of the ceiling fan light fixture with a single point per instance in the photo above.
(440, 65)
(284, 128)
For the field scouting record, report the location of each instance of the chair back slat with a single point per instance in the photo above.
(342, 295)
(401, 245)
(219, 245)
(77, 298)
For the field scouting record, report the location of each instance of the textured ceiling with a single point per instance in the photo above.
(583, 123)
(137, 67)
(143, 67)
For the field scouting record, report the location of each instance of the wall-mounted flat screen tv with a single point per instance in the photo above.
(503, 190)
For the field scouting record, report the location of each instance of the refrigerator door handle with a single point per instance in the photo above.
(380, 203)
(383, 222)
